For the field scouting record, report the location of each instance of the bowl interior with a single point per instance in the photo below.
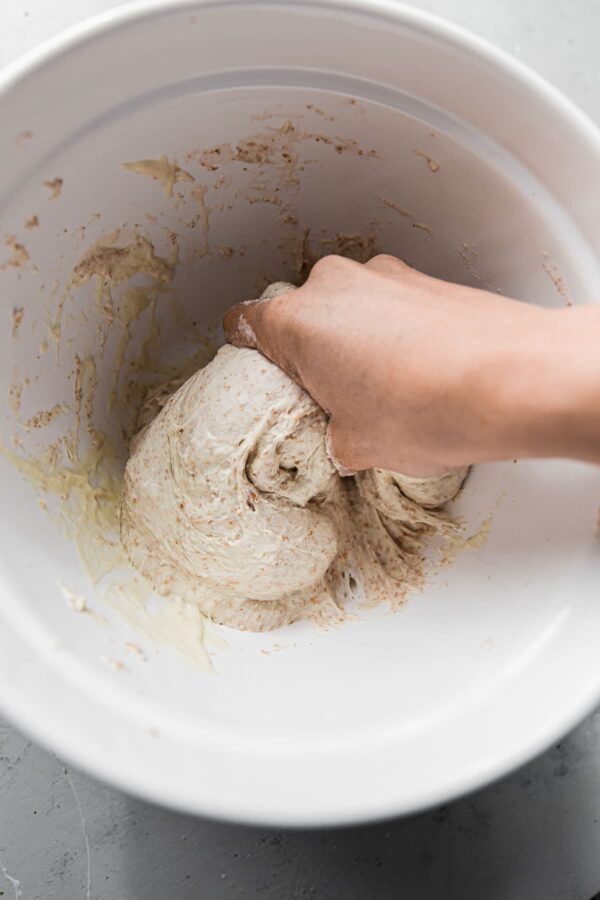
(255, 174)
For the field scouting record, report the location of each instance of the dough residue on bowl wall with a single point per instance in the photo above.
(125, 281)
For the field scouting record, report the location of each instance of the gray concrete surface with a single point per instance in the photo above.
(532, 836)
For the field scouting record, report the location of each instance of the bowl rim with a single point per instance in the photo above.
(395, 10)
(22, 708)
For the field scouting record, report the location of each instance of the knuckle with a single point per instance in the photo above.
(389, 262)
(331, 266)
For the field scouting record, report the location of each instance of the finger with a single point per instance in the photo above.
(341, 450)
(263, 325)
(388, 265)
(351, 451)
(240, 324)
(245, 323)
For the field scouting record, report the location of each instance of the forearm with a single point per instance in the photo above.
(543, 388)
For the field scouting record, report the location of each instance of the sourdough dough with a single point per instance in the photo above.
(232, 501)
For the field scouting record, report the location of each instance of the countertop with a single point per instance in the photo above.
(532, 836)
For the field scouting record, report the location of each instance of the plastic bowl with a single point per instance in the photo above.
(423, 141)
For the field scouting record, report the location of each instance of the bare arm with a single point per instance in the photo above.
(420, 376)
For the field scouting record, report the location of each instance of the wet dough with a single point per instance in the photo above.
(231, 501)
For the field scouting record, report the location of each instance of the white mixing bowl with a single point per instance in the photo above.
(429, 144)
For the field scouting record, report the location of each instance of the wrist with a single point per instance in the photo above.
(545, 388)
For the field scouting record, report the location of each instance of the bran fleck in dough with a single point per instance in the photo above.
(231, 501)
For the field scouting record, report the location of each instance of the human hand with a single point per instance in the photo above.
(420, 376)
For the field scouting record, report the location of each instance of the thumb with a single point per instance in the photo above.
(240, 324)
(244, 324)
